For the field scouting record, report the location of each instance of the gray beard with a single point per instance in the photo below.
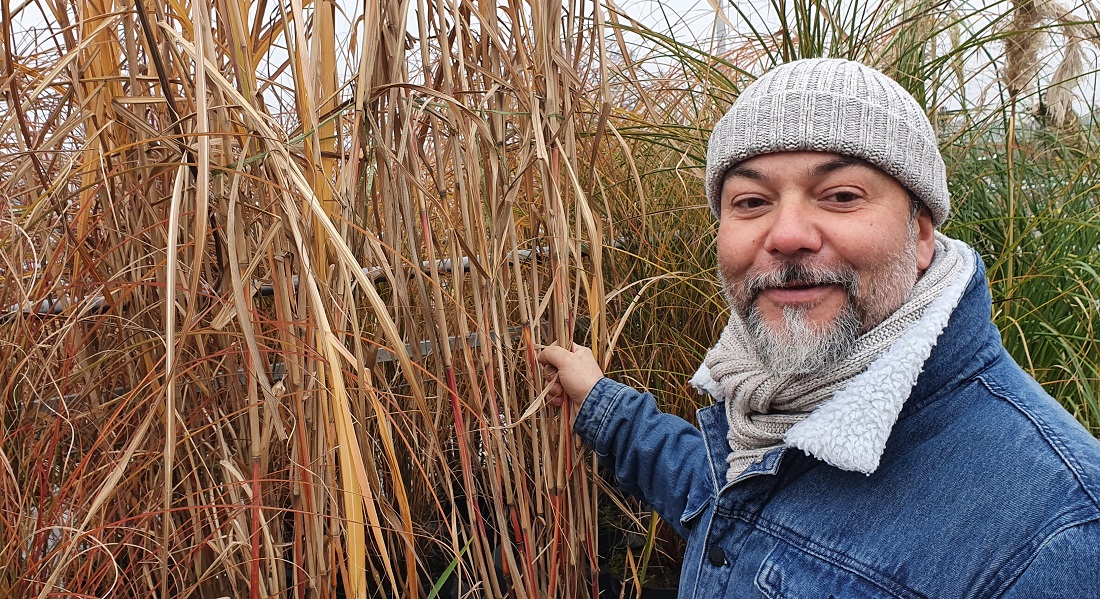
(798, 347)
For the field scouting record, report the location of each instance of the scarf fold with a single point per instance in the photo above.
(762, 407)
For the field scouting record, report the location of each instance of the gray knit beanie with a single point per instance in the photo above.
(831, 105)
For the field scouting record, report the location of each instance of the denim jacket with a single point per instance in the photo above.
(986, 488)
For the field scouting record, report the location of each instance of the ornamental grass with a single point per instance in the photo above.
(274, 274)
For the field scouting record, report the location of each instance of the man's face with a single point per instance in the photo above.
(815, 249)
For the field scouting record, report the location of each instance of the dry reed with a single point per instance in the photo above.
(286, 359)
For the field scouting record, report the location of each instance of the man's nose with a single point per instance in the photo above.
(793, 228)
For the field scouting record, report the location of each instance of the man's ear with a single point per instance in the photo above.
(926, 238)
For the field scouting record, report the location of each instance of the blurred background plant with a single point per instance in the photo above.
(277, 272)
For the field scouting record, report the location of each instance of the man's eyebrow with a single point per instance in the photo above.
(744, 172)
(838, 163)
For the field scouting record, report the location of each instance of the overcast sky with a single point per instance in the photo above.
(688, 20)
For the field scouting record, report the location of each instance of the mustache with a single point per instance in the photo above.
(791, 274)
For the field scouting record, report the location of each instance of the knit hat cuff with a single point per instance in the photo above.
(801, 120)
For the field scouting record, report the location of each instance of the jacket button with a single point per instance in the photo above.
(716, 556)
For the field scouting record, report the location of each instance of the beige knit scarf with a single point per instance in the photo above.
(762, 406)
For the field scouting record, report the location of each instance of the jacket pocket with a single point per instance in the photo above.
(791, 573)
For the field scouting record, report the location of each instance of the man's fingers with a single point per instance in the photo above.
(556, 395)
(552, 355)
(571, 372)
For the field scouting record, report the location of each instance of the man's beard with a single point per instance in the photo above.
(795, 344)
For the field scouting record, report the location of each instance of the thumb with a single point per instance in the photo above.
(553, 355)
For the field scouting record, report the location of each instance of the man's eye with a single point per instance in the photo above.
(749, 203)
(843, 197)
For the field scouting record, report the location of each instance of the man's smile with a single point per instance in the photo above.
(799, 293)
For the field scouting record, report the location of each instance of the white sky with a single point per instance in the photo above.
(688, 20)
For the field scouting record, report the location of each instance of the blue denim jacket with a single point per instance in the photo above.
(987, 488)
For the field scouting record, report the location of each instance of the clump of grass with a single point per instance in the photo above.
(300, 286)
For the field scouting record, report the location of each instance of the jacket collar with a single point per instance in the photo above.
(969, 343)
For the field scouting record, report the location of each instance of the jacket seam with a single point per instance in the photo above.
(1051, 438)
(784, 544)
(1012, 580)
(801, 543)
(711, 470)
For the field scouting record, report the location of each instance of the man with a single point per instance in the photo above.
(870, 437)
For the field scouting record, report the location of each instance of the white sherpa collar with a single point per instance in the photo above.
(849, 431)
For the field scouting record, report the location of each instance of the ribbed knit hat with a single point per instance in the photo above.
(831, 105)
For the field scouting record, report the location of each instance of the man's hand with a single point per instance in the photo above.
(577, 372)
